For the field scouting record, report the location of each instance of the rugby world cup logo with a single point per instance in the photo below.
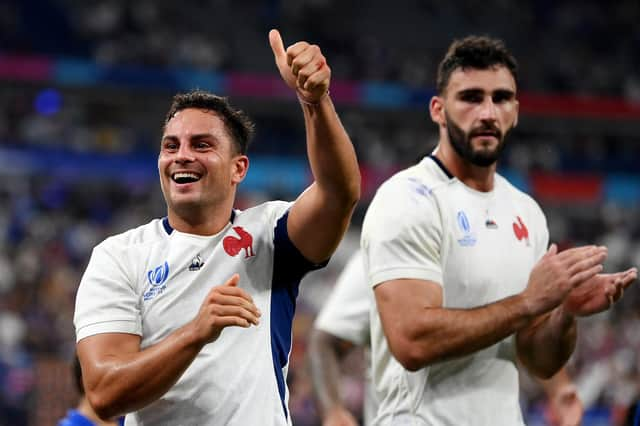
(158, 275)
(468, 238)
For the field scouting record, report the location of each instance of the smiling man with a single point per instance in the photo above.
(465, 284)
(187, 320)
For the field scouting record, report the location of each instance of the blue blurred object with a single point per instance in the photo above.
(48, 102)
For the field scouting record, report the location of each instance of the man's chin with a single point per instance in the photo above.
(183, 203)
(484, 158)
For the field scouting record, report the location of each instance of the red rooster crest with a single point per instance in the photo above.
(233, 245)
(520, 229)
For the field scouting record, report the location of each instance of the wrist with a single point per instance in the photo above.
(312, 103)
(192, 336)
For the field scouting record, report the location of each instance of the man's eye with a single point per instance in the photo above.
(471, 97)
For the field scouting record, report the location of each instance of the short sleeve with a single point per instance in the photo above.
(542, 231)
(106, 301)
(346, 313)
(402, 233)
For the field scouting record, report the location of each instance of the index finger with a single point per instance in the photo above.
(235, 291)
(576, 254)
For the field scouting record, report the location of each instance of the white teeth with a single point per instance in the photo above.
(184, 175)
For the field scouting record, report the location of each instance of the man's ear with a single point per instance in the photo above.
(436, 109)
(241, 166)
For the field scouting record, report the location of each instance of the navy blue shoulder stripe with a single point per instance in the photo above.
(442, 167)
(289, 266)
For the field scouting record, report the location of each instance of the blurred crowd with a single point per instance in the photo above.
(49, 224)
(590, 52)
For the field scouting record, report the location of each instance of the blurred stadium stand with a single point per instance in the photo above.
(84, 87)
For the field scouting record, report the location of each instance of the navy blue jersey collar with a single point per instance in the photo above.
(442, 167)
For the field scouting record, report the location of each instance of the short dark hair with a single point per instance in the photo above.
(238, 124)
(475, 52)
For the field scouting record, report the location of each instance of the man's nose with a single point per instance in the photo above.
(185, 153)
(488, 110)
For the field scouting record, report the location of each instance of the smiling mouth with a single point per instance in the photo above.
(185, 177)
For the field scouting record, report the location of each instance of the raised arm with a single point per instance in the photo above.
(321, 215)
(420, 331)
(119, 377)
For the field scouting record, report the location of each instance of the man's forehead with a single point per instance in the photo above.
(489, 80)
(193, 120)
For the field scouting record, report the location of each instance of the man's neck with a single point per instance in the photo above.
(204, 225)
(476, 177)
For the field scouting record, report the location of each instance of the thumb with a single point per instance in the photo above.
(275, 40)
(233, 281)
(553, 250)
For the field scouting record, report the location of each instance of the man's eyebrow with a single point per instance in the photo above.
(478, 91)
(197, 136)
(504, 92)
(470, 91)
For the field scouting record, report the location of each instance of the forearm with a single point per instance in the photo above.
(325, 371)
(331, 155)
(124, 381)
(547, 343)
(441, 333)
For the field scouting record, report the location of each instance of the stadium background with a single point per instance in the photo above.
(83, 91)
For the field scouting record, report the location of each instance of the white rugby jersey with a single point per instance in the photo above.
(346, 312)
(346, 315)
(423, 223)
(152, 280)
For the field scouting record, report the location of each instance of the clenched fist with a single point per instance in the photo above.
(303, 67)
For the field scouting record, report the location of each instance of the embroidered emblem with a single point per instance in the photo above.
(157, 278)
(159, 275)
(521, 231)
(233, 245)
(196, 263)
(468, 239)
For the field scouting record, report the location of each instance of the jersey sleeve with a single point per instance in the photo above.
(346, 313)
(541, 240)
(402, 233)
(106, 301)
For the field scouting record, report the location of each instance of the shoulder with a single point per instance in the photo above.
(407, 198)
(149, 233)
(419, 180)
(269, 211)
